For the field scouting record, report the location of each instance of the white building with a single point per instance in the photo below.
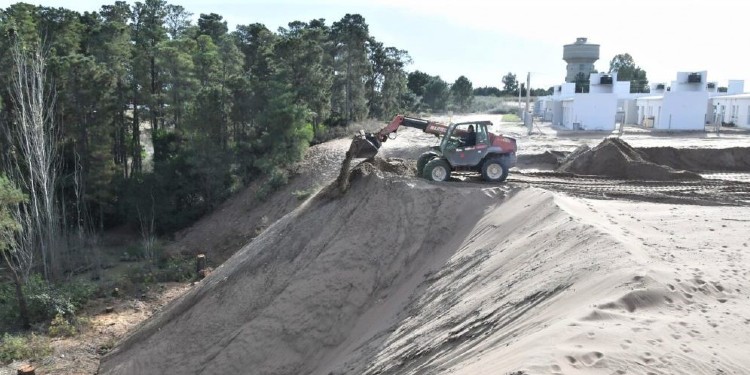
(560, 92)
(732, 108)
(682, 107)
(595, 110)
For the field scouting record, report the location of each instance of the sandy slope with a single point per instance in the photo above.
(402, 276)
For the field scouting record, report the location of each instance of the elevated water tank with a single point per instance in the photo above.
(580, 57)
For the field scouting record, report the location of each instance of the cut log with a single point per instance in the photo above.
(26, 370)
(200, 265)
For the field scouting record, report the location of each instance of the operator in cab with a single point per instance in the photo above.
(470, 138)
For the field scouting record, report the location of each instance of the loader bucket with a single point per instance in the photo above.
(364, 146)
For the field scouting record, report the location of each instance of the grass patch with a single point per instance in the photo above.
(493, 105)
(510, 117)
(303, 194)
(23, 347)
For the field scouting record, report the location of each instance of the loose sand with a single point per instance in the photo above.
(402, 276)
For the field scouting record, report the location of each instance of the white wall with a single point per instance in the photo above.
(683, 110)
(734, 109)
(629, 108)
(681, 83)
(590, 111)
(736, 86)
(649, 109)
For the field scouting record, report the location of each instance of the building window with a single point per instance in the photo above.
(580, 67)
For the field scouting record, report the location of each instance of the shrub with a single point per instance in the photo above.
(61, 327)
(303, 194)
(180, 270)
(45, 301)
(16, 348)
(510, 117)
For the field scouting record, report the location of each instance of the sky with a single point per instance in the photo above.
(484, 40)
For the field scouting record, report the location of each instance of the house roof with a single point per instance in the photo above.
(653, 97)
(733, 96)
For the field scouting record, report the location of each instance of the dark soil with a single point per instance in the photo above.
(617, 159)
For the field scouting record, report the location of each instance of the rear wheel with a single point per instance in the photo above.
(494, 170)
(422, 162)
(437, 170)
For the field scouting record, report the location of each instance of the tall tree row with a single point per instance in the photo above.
(136, 109)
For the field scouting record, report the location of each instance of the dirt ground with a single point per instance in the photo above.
(547, 273)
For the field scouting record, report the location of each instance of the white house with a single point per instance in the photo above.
(560, 92)
(682, 107)
(732, 109)
(724, 107)
(597, 109)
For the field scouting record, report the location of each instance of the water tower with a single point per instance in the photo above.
(580, 57)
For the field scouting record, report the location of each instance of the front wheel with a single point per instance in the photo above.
(422, 162)
(494, 170)
(437, 170)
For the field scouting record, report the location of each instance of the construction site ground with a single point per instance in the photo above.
(546, 273)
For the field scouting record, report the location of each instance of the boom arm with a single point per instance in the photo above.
(412, 122)
(366, 145)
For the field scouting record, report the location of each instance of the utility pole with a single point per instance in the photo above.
(520, 114)
(528, 118)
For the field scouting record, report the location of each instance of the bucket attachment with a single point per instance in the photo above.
(364, 146)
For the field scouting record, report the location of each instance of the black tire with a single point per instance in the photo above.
(494, 170)
(437, 170)
(422, 162)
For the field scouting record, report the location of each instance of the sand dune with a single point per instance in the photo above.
(402, 276)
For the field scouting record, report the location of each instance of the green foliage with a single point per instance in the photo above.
(510, 84)
(626, 70)
(221, 109)
(436, 94)
(417, 81)
(23, 347)
(45, 301)
(277, 179)
(510, 117)
(9, 196)
(166, 270)
(61, 327)
(303, 194)
(493, 105)
(487, 91)
(350, 36)
(462, 93)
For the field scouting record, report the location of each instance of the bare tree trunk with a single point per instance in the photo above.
(23, 308)
(148, 232)
(35, 163)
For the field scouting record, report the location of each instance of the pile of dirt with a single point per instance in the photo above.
(735, 159)
(614, 158)
(549, 157)
(392, 167)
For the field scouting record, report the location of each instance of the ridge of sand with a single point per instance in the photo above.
(615, 158)
(402, 276)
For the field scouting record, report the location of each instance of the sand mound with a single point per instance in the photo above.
(295, 292)
(402, 276)
(615, 158)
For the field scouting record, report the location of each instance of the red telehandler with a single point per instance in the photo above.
(491, 155)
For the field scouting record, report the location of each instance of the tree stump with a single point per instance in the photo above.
(200, 265)
(26, 369)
